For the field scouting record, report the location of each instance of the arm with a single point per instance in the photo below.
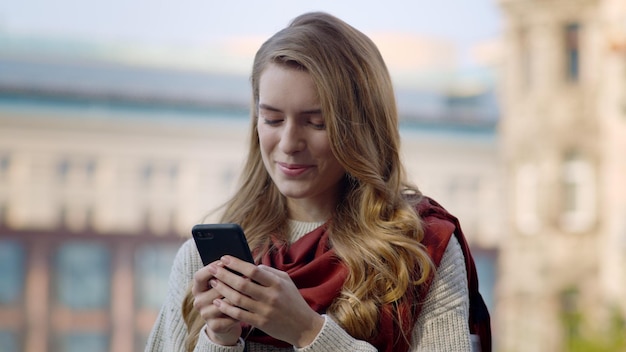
(333, 338)
(169, 331)
(443, 321)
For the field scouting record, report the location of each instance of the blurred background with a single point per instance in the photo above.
(124, 123)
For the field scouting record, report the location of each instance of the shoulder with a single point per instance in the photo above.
(438, 225)
(449, 286)
(442, 323)
(448, 291)
(453, 263)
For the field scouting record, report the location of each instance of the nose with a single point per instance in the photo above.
(291, 139)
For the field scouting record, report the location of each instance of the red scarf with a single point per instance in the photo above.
(314, 269)
(320, 275)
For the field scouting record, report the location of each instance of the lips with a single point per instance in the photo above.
(293, 170)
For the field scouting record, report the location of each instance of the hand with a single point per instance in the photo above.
(267, 299)
(220, 328)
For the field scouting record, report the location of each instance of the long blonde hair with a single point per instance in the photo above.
(375, 230)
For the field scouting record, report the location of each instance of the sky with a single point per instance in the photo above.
(408, 32)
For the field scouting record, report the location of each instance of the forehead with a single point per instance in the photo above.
(285, 84)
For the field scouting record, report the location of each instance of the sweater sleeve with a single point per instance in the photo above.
(169, 331)
(442, 324)
(333, 338)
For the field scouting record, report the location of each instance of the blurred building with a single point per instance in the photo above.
(562, 263)
(104, 169)
(94, 202)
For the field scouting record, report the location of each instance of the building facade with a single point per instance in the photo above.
(93, 210)
(563, 131)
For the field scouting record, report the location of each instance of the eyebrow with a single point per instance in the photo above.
(305, 112)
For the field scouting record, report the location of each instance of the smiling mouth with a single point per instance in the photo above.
(293, 169)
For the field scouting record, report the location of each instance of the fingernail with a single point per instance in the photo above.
(213, 283)
(217, 302)
(212, 268)
(225, 259)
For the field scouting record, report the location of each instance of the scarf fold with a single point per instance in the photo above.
(313, 268)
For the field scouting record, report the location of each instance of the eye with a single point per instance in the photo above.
(316, 121)
(272, 122)
(270, 117)
(318, 126)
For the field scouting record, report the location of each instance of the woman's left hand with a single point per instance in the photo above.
(267, 299)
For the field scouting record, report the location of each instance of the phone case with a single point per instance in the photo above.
(216, 240)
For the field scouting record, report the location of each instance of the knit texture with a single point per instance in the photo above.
(441, 326)
(297, 229)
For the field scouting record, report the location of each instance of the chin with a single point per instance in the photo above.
(292, 193)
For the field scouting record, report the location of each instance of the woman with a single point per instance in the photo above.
(331, 219)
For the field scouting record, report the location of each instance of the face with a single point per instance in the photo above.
(295, 146)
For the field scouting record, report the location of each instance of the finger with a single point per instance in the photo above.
(251, 285)
(267, 276)
(274, 271)
(236, 264)
(203, 303)
(201, 278)
(248, 270)
(216, 320)
(234, 296)
(233, 311)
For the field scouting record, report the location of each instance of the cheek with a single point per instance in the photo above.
(267, 142)
(264, 138)
(321, 145)
(324, 151)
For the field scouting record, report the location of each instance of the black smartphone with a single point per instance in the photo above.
(215, 240)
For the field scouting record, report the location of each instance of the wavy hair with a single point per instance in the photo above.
(374, 230)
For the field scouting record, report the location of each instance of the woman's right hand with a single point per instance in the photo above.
(221, 329)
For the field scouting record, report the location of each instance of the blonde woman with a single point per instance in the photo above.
(344, 260)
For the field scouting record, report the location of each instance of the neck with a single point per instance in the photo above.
(308, 211)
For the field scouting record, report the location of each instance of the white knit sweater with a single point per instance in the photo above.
(441, 326)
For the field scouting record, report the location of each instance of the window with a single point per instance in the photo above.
(83, 275)
(173, 173)
(12, 271)
(159, 174)
(147, 173)
(5, 164)
(9, 341)
(572, 51)
(577, 193)
(526, 196)
(12, 257)
(570, 312)
(525, 57)
(83, 341)
(63, 168)
(90, 168)
(152, 267)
